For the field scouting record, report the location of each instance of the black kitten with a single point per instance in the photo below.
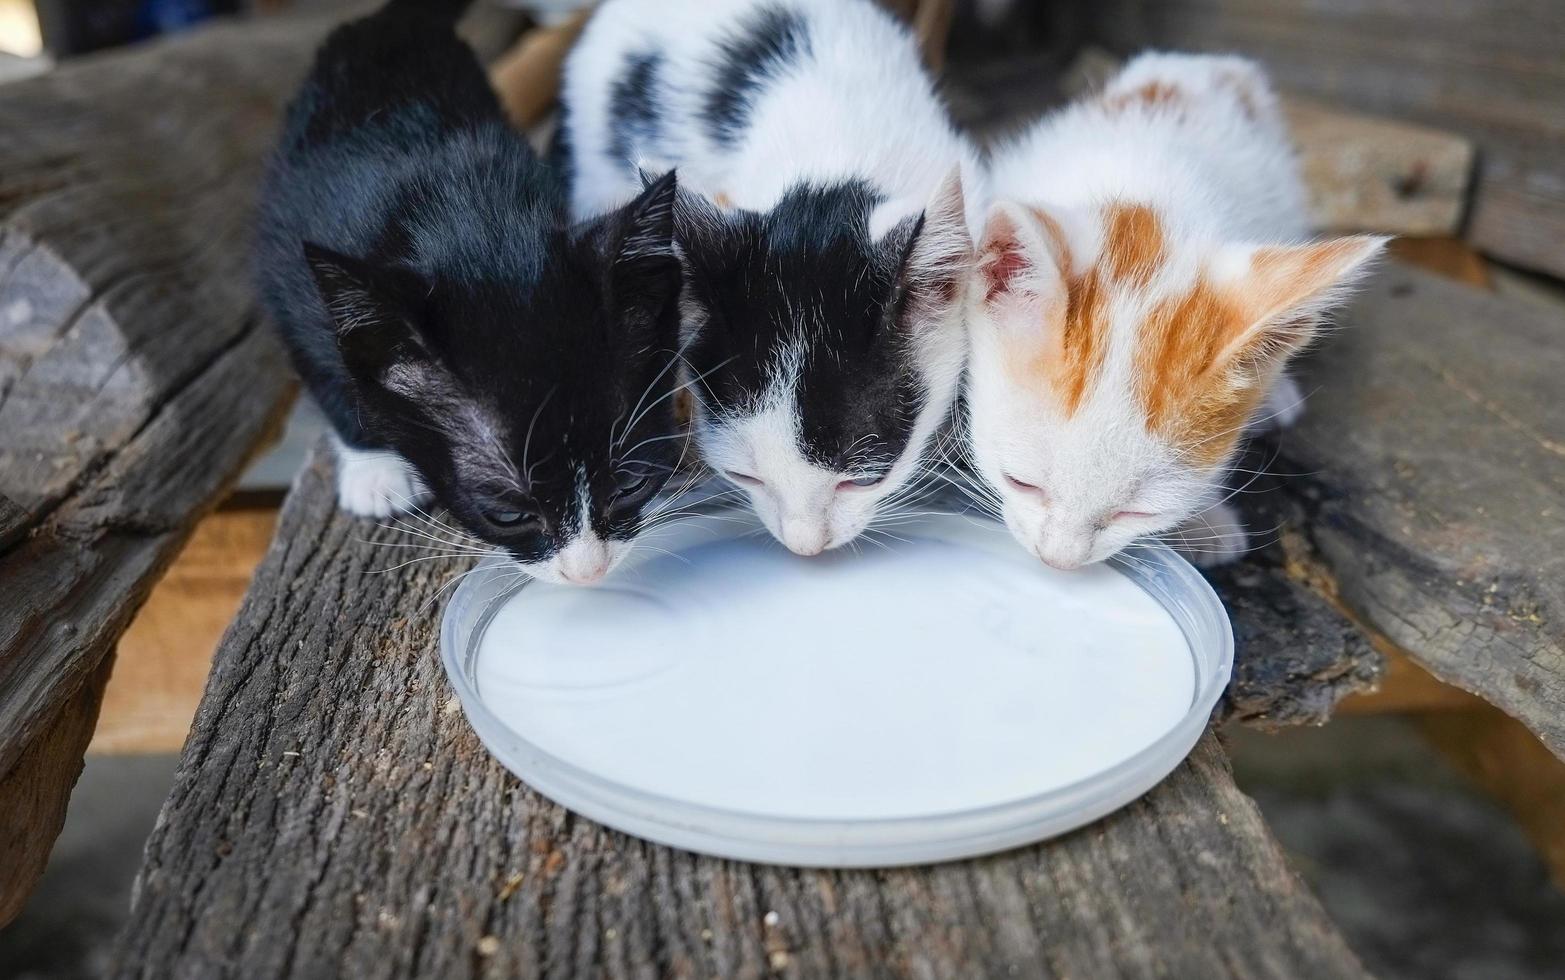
(458, 334)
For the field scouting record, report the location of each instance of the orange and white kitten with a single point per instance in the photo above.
(1143, 278)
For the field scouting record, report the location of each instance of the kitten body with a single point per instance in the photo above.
(1143, 277)
(822, 222)
(462, 339)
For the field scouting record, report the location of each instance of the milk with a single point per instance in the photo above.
(942, 674)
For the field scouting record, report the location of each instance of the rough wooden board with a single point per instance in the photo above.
(1448, 257)
(135, 375)
(1437, 415)
(1369, 174)
(1490, 71)
(527, 77)
(36, 790)
(1296, 655)
(334, 815)
(162, 661)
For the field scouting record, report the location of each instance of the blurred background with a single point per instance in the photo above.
(1433, 832)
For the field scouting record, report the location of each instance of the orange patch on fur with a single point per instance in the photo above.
(1074, 344)
(1240, 86)
(722, 200)
(1152, 95)
(1189, 398)
(1132, 243)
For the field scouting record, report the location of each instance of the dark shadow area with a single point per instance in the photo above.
(1427, 878)
(67, 930)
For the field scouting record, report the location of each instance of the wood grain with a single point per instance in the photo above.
(135, 376)
(1436, 436)
(334, 815)
(37, 789)
(162, 661)
(1490, 71)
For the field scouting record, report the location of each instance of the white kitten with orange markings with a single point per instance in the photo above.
(1144, 276)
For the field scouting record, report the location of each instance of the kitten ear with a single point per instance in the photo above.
(644, 272)
(939, 257)
(1022, 253)
(1022, 265)
(374, 333)
(1283, 289)
(648, 230)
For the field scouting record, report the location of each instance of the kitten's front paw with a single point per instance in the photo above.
(376, 484)
(1214, 537)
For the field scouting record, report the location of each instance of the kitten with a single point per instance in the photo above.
(1143, 279)
(825, 253)
(458, 334)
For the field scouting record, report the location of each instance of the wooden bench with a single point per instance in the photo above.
(333, 815)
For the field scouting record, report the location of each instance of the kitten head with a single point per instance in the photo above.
(826, 350)
(1115, 366)
(535, 397)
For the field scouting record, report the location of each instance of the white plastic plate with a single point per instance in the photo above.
(937, 695)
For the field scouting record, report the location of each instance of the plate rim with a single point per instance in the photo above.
(813, 841)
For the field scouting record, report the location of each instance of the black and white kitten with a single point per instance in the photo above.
(826, 243)
(461, 337)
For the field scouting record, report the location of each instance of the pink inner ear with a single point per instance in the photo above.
(1002, 265)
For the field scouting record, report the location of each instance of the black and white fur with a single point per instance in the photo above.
(823, 227)
(463, 340)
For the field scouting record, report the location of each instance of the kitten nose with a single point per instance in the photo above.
(1064, 556)
(804, 537)
(584, 563)
(590, 576)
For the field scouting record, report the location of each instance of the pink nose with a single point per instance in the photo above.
(589, 575)
(804, 539)
(1064, 563)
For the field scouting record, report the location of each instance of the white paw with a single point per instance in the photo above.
(1284, 405)
(372, 483)
(1211, 538)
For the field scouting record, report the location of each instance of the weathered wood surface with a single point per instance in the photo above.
(1488, 70)
(135, 375)
(1434, 445)
(162, 661)
(334, 815)
(37, 789)
(1295, 653)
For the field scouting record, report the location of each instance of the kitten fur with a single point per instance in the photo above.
(823, 225)
(458, 333)
(1143, 278)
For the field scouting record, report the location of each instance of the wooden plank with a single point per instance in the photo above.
(36, 790)
(162, 661)
(135, 375)
(1364, 173)
(334, 815)
(527, 77)
(1490, 71)
(1449, 257)
(1435, 440)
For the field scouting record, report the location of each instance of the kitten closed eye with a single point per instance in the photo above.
(861, 482)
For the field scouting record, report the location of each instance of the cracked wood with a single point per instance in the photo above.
(334, 815)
